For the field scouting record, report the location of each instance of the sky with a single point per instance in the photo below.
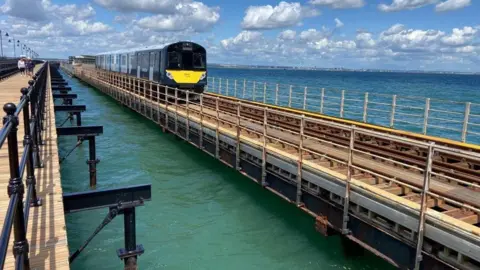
(389, 34)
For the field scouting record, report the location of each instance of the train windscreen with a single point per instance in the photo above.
(186, 58)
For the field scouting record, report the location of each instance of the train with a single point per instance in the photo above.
(181, 65)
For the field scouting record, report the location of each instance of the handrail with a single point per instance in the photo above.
(32, 105)
(428, 116)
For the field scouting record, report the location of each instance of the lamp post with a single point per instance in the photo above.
(1, 41)
(13, 42)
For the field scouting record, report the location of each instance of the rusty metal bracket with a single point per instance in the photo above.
(321, 225)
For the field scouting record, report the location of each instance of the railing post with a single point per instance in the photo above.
(392, 114)
(424, 205)
(237, 149)
(342, 103)
(219, 85)
(346, 203)
(365, 107)
(217, 131)
(227, 87)
(16, 187)
(425, 116)
(166, 107)
(264, 148)
(300, 161)
(200, 140)
(28, 144)
(187, 129)
(264, 92)
(322, 99)
(235, 88)
(176, 111)
(213, 84)
(35, 118)
(276, 94)
(244, 87)
(290, 97)
(254, 90)
(305, 98)
(465, 121)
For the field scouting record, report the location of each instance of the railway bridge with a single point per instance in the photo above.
(412, 199)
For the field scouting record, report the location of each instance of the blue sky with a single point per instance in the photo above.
(400, 34)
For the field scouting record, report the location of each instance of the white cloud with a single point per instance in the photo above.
(269, 17)
(338, 23)
(287, 35)
(243, 38)
(460, 36)
(195, 16)
(69, 10)
(394, 29)
(339, 3)
(396, 46)
(25, 9)
(148, 6)
(398, 5)
(452, 5)
(83, 27)
(365, 40)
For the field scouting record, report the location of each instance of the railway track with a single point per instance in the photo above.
(393, 166)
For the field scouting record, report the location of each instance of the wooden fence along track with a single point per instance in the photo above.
(393, 166)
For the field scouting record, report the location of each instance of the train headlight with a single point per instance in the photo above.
(169, 75)
(204, 74)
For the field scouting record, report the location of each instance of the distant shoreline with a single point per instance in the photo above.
(340, 69)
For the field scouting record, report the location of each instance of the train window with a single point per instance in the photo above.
(144, 60)
(199, 60)
(152, 59)
(133, 60)
(156, 64)
(173, 60)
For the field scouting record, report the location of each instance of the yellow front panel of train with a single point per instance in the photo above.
(186, 76)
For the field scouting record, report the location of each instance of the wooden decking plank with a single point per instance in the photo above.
(46, 231)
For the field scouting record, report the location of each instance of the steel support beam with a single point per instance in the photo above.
(80, 131)
(70, 108)
(88, 200)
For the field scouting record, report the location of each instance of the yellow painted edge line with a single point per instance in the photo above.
(359, 124)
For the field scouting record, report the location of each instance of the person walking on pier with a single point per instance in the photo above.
(21, 66)
(29, 67)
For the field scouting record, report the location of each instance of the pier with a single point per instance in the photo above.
(33, 205)
(411, 199)
(36, 158)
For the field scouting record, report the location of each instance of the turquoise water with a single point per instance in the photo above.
(203, 215)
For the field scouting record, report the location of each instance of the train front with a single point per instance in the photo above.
(186, 66)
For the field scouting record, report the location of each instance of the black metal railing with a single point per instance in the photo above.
(32, 104)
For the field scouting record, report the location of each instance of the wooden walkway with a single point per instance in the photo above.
(46, 231)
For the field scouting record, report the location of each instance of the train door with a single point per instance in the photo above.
(156, 66)
(145, 65)
(151, 65)
(133, 64)
(127, 60)
(139, 62)
(119, 63)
